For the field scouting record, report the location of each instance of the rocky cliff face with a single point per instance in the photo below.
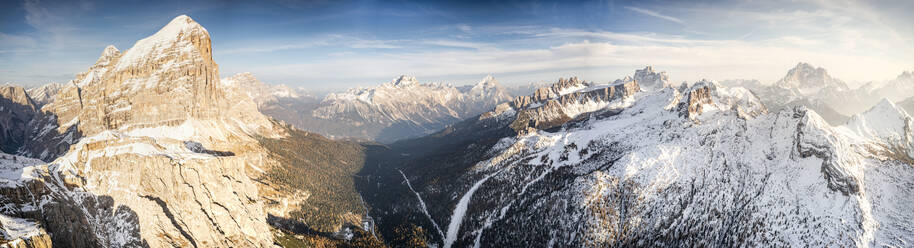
(18, 227)
(169, 76)
(16, 111)
(154, 153)
(548, 107)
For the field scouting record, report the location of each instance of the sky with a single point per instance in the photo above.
(333, 45)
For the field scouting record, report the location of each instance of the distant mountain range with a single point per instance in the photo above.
(810, 86)
(700, 164)
(402, 108)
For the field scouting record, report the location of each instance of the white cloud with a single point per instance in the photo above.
(378, 44)
(312, 42)
(456, 43)
(655, 14)
(685, 59)
(465, 28)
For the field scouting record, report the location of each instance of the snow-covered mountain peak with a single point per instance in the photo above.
(404, 81)
(704, 82)
(885, 120)
(487, 84)
(808, 79)
(648, 78)
(565, 86)
(110, 50)
(108, 54)
(181, 28)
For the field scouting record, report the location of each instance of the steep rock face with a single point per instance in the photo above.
(181, 196)
(563, 86)
(153, 152)
(163, 80)
(404, 108)
(698, 96)
(16, 111)
(18, 224)
(167, 76)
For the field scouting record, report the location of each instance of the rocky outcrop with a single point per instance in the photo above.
(650, 79)
(545, 93)
(813, 140)
(39, 240)
(544, 112)
(707, 95)
(20, 233)
(176, 197)
(696, 98)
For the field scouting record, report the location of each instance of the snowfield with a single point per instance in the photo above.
(732, 175)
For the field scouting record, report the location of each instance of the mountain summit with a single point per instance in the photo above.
(809, 79)
(651, 79)
(169, 76)
(404, 81)
(149, 132)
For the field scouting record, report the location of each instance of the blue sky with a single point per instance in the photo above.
(328, 45)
